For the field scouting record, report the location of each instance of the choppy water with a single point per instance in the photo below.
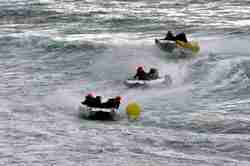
(53, 52)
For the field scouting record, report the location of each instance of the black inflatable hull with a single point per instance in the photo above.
(97, 113)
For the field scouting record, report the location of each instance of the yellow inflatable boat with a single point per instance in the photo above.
(179, 48)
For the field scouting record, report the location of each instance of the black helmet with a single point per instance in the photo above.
(139, 68)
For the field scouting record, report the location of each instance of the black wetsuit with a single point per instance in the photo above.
(180, 37)
(111, 103)
(141, 75)
(89, 101)
(153, 75)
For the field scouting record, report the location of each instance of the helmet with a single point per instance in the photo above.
(140, 68)
(90, 94)
(118, 98)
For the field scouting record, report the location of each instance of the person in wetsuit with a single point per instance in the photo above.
(169, 36)
(153, 74)
(140, 74)
(181, 37)
(89, 100)
(112, 103)
(92, 101)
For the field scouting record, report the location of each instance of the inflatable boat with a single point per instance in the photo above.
(179, 48)
(96, 113)
(135, 82)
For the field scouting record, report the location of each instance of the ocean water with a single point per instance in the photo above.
(53, 52)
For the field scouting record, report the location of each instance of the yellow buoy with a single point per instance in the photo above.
(133, 111)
